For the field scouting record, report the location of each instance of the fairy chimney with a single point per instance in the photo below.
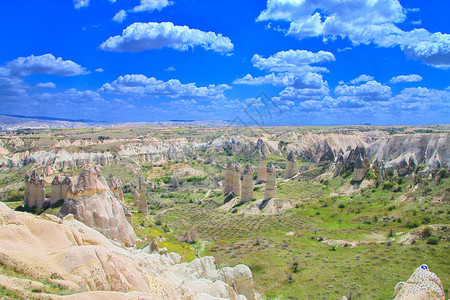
(237, 180)
(229, 171)
(262, 171)
(34, 190)
(271, 188)
(247, 183)
(291, 166)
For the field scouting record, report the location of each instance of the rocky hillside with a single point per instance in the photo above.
(52, 258)
(431, 149)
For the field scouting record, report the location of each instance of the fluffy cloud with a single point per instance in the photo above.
(433, 49)
(293, 94)
(11, 86)
(71, 97)
(120, 16)
(44, 64)
(406, 78)
(100, 70)
(423, 99)
(150, 5)
(144, 6)
(169, 69)
(142, 86)
(362, 78)
(290, 68)
(372, 90)
(143, 36)
(362, 22)
(308, 80)
(46, 85)
(292, 61)
(80, 3)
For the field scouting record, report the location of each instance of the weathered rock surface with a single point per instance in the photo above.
(228, 186)
(247, 183)
(71, 254)
(422, 284)
(92, 202)
(291, 166)
(34, 190)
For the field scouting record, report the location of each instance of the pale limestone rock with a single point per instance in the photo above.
(92, 267)
(116, 187)
(237, 180)
(360, 170)
(422, 284)
(229, 171)
(291, 166)
(92, 202)
(262, 171)
(241, 278)
(247, 183)
(271, 188)
(34, 190)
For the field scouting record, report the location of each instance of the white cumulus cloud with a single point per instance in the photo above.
(150, 5)
(46, 85)
(371, 90)
(144, 36)
(150, 87)
(120, 16)
(292, 61)
(362, 78)
(362, 22)
(44, 64)
(406, 78)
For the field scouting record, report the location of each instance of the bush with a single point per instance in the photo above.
(432, 240)
(190, 236)
(341, 205)
(388, 185)
(413, 224)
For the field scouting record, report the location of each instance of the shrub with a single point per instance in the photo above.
(432, 240)
(190, 236)
(413, 224)
(341, 205)
(388, 185)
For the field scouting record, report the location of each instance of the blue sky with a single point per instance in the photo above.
(274, 62)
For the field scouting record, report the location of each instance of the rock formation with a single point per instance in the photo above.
(291, 166)
(327, 157)
(271, 188)
(143, 207)
(247, 183)
(360, 169)
(229, 172)
(262, 171)
(34, 190)
(237, 180)
(422, 284)
(136, 198)
(338, 165)
(92, 202)
(60, 187)
(67, 252)
(116, 187)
